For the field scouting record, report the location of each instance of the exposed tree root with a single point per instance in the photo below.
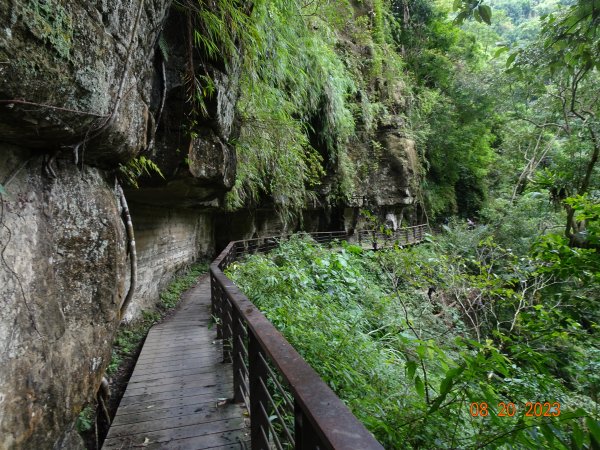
(132, 250)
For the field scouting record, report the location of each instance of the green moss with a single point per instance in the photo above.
(51, 23)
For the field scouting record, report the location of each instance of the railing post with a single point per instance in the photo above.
(304, 434)
(259, 424)
(213, 295)
(238, 355)
(217, 305)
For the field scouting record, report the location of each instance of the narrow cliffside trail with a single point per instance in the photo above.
(176, 397)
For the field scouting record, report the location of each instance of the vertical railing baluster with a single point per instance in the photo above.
(257, 371)
(238, 355)
(227, 328)
(213, 296)
(305, 435)
(219, 310)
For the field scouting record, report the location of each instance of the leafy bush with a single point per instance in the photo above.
(410, 366)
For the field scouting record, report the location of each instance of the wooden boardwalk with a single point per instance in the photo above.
(176, 397)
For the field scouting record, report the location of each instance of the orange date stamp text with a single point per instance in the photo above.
(509, 409)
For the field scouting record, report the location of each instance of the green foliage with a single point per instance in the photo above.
(129, 338)
(137, 167)
(172, 294)
(85, 420)
(451, 117)
(472, 8)
(291, 104)
(409, 366)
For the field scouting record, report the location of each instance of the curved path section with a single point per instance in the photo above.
(176, 397)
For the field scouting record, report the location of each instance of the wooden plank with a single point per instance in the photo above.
(204, 381)
(185, 363)
(177, 357)
(146, 403)
(192, 444)
(197, 334)
(201, 415)
(175, 378)
(153, 413)
(226, 440)
(150, 375)
(222, 390)
(175, 353)
(181, 366)
(180, 347)
(187, 431)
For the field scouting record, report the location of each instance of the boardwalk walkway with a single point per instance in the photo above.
(175, 398)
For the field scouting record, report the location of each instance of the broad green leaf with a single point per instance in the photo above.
(486, 13)
(548, 433)
(448, 381)
(511, 58)
(594, 427)
(411, 368)
(577, 436)
(501, 50)
(419, 386)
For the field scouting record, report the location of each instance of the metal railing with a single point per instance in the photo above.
(401, 237)
(290, 406)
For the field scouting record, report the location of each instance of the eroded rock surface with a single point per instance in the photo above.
(62, 278)
(67, 63)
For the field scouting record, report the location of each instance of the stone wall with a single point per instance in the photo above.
(167, 240)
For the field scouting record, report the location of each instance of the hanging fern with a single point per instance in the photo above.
(138, 167)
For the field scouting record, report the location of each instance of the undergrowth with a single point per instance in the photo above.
(410, 366)
(85, 420)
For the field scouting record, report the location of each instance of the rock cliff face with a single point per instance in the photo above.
(86, 86)
(62, 278)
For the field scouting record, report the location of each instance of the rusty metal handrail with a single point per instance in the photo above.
(253, 345)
